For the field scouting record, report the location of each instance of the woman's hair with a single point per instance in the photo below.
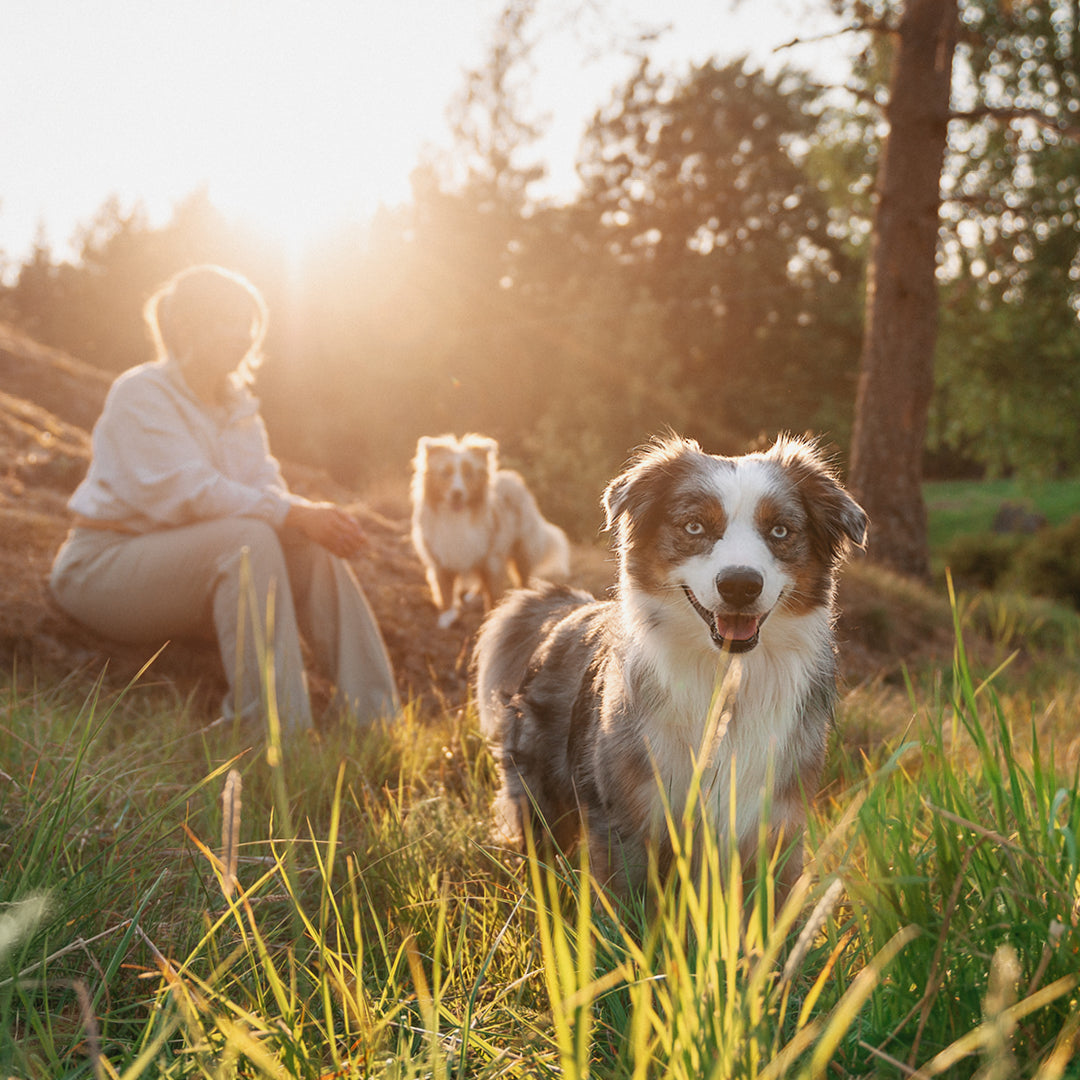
(201, 296)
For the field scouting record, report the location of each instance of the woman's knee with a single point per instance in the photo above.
(253, 548)
(257, 536)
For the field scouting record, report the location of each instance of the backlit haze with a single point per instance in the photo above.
(299, 116)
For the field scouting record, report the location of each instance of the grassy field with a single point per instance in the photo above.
(968, 506)
(174, 905)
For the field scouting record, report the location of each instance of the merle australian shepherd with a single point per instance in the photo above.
(475, 526)
(716, 653)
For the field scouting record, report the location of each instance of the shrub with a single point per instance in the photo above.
(1048, 564)
(982, 560)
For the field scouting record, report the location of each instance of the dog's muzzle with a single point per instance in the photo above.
(735, 633)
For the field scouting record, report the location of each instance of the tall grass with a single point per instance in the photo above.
(175, 907)
(971, 838)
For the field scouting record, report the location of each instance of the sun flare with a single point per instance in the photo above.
(298, 156)
(296, 206)
(295, 119)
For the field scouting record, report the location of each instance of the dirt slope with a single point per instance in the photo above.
(48, 402)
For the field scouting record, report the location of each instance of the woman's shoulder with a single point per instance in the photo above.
(150, 378)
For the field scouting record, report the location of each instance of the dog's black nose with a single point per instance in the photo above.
(740, 586)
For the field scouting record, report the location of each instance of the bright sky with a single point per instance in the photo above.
(298, 114)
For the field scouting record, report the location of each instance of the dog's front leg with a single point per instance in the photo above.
(489, 590)
(620, 865)
(442, 583)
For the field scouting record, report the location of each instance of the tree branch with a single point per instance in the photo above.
(1007, 116)
(862, 26)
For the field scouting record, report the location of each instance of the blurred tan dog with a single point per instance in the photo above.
(476, 526)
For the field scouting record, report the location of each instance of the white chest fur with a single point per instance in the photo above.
(458, 540)
(733, 719)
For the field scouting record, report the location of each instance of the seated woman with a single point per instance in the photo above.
(184, 524)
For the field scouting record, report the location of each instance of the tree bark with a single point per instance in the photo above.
(896, 377)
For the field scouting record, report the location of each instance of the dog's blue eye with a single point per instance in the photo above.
(779, 532)
(694, 528)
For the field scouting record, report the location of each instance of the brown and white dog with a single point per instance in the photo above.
(597, 711)
(476, 525)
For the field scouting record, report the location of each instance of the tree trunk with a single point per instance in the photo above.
(897, 368)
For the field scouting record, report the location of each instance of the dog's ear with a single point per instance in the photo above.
(485, 445)
(635, 487)
(836, 520)
(420, 458)
(616, 498)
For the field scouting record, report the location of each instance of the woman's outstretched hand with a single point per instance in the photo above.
(328, 525)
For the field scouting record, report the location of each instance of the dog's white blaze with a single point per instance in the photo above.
(457, 484)
(741, 546)
(742, 484)
(739, 491)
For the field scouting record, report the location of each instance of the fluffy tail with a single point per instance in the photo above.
(551, 559)
(539, 547)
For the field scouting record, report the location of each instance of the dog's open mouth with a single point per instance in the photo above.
(735, 632)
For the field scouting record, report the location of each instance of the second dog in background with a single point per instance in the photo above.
(476, 526)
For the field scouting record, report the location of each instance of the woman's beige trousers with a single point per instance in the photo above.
(256, 589)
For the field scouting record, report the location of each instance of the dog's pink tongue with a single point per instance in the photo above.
(736, 627)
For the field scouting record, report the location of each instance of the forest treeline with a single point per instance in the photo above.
(708, 278)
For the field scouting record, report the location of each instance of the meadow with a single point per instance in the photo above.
(176, 904)
(959, 507)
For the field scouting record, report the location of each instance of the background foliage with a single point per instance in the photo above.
(708, 277)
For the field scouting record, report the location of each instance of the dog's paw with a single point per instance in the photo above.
(448, 618)
(507, 824)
